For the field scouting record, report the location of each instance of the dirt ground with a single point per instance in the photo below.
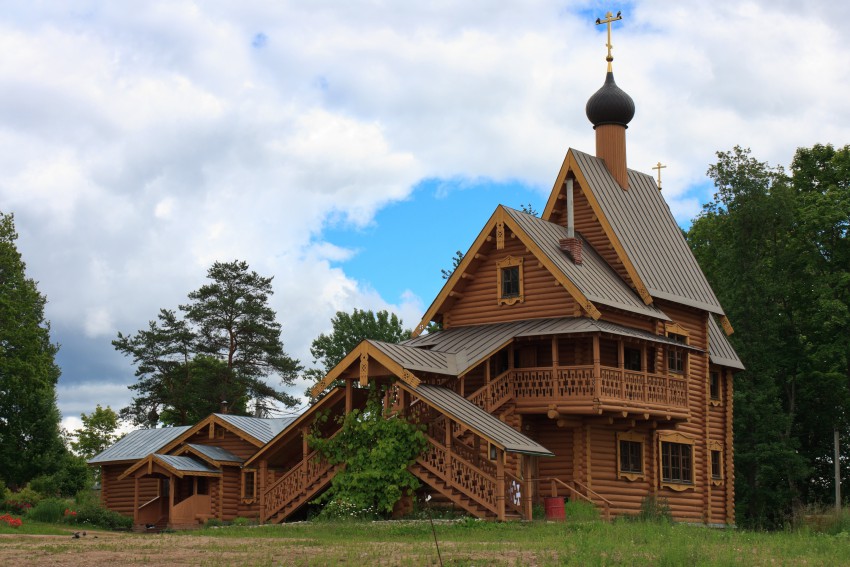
(122, 549)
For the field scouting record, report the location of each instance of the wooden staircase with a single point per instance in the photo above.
(312, 475)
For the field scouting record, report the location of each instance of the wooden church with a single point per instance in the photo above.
(581, 354)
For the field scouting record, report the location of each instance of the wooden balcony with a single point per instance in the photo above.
(586, 390)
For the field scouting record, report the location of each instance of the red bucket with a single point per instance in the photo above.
(554, 508)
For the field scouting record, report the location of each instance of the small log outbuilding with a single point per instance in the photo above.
(582, 353)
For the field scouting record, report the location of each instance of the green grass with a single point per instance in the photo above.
(30, 527)
(549, 543)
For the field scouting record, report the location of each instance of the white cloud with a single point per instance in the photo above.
(136, 147)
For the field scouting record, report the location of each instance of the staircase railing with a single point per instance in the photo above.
(606, 504)
(461, 475)
(294, 483)
(492, 396)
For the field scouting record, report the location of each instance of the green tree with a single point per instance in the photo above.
(97, 433)
(223, 350)
(30, 440)
(758, 243)
(349, 329)
(376, 448)
(456, 260)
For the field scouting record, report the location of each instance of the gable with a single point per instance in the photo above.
(639, 227)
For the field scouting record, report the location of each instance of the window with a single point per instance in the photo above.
(630, 455)
(675, 360)
(716, 451)
(714, 386)
(676, 460)
(510, 281)
(249, 485)
(631, 358)
(716, 471)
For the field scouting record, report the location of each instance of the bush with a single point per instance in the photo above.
(654, 509)
(580, 510)
(73, 476)
(213, 523)
(339, 509)
(93, 514)
(49, 510)
(22, 501)
(240, 521)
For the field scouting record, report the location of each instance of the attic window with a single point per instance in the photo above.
(509, 277)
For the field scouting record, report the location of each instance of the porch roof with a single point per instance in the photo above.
(186, 464)
(720, 350)
(138, 444)
(215, 453)
(482, 423)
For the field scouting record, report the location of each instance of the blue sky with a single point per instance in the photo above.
(349, 148)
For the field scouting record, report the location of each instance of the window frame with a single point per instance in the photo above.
(631, 437)
(252, 497)
(716, 448)
(715, 386)
(675, 438)
(508, 263)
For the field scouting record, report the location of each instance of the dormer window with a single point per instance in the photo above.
(509, 274)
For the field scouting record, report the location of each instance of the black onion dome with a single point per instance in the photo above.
(610, 105)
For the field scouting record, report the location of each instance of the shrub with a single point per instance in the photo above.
(654, 509)
(240, 521)
(49, 510)
(580, 510)
(93, 514)
(213, 523)
(10, 521)
(338, 509)
(22, 501)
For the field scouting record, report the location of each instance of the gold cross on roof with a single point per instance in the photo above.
(609, 17)
(659, 167)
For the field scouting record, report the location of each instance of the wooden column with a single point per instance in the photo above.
(261, 487)
(500, 485)
(135, 499)
(728, 453)
(462, 386)
(172, 486)
(621, 363)
(597, 369)
(527, 486)
(349, 400)
(305, 447)
(555, 361)
(644, 368)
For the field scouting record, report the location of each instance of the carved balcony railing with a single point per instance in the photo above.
(612, 387)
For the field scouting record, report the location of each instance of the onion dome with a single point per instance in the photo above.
(610, 105)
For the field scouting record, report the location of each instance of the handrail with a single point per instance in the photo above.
(479, 396)
(151, 501)
(460, 474)
(584, 497)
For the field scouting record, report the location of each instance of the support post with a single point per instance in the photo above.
(261, 487)
(621, 362)
(597, 369)
(349, 400)
(526, 487)
(837, 471)
(500, 485)
(136, 499)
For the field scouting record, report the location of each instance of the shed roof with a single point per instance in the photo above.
(479, 420)
(720, 350)
(650, 236)
(138, 444)
(216, 453)
(185, 464)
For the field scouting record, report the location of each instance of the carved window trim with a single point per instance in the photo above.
(715, 448)
(501, 265)
(677, 357)
(249, 486)
(676, 438)
(631, 437)
(715, 400)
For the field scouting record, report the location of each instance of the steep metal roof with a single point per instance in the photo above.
(594, 277)
(185, 464)
(479, 420)
(139, 444)
(261, 429)
(643, 224)
(418, 359)
(720, 350)
(216, 453)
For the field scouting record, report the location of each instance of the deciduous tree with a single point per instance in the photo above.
(30, 441)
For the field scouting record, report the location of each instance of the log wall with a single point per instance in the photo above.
(118, 495)
(230, 441)
(544, 296)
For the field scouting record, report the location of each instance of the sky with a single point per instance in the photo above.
(350, 148)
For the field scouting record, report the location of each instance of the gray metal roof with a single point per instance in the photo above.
(419, 359)
(653, 241)
(720, 350)
(216, 453)
(185, 464)
(471, 345)
(139, 444)
(261, 429)
(594, 277)
(479, 420)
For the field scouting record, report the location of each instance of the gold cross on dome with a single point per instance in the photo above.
(659, 167)
(609, 17)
